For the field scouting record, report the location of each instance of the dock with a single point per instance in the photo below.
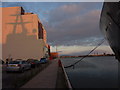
(50, 77)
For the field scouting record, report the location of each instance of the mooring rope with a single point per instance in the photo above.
(72, 65)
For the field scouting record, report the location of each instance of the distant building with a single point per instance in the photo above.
(23, 35)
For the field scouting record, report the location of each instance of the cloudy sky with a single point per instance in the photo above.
(72, 27)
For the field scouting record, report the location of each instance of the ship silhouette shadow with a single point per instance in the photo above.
(22, 45)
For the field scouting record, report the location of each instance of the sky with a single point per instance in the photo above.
(72, 28)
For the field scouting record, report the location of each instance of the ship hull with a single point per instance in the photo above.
(110, 25)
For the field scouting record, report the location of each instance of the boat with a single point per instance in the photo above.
(110, 25)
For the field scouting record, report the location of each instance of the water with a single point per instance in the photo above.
(93, 72)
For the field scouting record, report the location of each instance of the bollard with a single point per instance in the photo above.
(59, 63)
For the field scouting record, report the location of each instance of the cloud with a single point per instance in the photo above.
(63, 12)
(73, 22)
(74, 28)
(80, 50)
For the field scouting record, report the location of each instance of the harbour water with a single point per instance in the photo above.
(93, 72)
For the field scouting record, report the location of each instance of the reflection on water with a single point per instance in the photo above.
(93, 72)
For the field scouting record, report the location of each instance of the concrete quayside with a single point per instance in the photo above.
(54, 76)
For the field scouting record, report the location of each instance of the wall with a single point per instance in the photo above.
(20, 34)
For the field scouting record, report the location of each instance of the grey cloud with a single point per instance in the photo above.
(68, 23)
(87, 51)
(63, 12)
(69, 10)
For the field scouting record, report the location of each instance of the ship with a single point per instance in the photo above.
(110, 25)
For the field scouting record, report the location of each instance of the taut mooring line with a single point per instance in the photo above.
(72, 65)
